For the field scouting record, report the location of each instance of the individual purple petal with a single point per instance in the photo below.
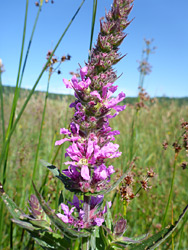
(112, 103)
(74, 128)
(72, 172)
(73, 104)
(98, 221)
(95, 200)
(81, 214)
(61, 141)
(83, 72)
(100, 173)
(75, 202)
(90, 148)
(85, 172)
(65, 208)
(65, 131)
(96, 94)
(111, 169)
(64, 218)
(67, 83)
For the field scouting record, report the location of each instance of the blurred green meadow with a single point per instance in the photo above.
(159, 122)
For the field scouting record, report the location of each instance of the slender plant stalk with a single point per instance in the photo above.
(11, 119)
(18, 75)
(2, 108)
(40, 134)
(93, 24)
(172, 222)
(30, 41)
(171, 191)
(181, 232)
(11, 235)
(1, 221)
(35, 85)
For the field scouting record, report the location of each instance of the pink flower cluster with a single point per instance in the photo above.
(90, 134)
(75, 215)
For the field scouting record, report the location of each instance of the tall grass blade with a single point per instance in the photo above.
(30, 42)
(170, 193)
(11, 119)
(93, 24)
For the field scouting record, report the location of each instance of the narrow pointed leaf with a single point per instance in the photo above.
(25, 225)
(15, 211)
(109, 218)
(63, 227)
(154, 241)
(56, 172)
(40, 223)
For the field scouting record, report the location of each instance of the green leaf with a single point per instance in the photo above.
(15, 211)
(56, 172)
(155, 240)
(40, 223)
(101, 241)
(25, 225)
(108, 220)
(63, 227)
(49, 240)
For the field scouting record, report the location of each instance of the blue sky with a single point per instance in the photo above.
(165, 21)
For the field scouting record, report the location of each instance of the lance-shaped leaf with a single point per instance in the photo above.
(154, 241)
(47, 240)
(63, 227)
(15, 211)
(25, 224)
(69, 185)
(125, 241)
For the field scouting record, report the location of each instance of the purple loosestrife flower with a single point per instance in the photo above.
(90, 134)
(75, 216)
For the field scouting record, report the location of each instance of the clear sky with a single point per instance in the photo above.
(166, 21)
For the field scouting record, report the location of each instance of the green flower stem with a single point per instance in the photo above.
(171, 191)
(33, 89)
(2, 108)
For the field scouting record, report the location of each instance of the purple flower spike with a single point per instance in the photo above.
(90, 135)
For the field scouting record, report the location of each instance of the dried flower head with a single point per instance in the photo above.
(165, 145)
(177, 147)
(184, 165)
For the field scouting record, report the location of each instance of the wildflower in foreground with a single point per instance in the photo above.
(95, 218)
